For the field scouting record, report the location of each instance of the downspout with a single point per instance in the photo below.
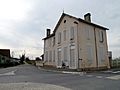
(77, 44)
(96, 48)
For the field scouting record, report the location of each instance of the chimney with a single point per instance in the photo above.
(48, 32)
(87, 17)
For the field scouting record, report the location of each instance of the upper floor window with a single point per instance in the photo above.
(59, 37)
(53, 41)
(64, 33)
(101, 37)
(88, 34)
(53, 55)
(71, 33)
(50, 42)
(50, 56)
(46, 55)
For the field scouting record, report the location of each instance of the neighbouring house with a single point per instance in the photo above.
(4, 56)
(77, 44)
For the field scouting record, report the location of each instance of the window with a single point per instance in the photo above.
(89, 54)
(64, 21)
(50, 56)
(72, 56)
(59, 57)
(65, 54)
(71, 33)
(53, 41)
(64, 33)
(59, 37)
(46, 55)
(88, 34)
(54, 56)
(101, 55)
(49, 42)
(101, 38)
(46, 44)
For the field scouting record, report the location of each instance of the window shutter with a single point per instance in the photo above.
(72, 33)
(89, 54)
(101, 37)
(64, 32)
(59, 38)
(54, 56)
(59, 57)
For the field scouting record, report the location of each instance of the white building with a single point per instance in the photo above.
(78, 43)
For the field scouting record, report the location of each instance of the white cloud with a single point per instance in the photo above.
(14, 9)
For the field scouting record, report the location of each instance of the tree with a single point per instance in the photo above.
(22, 59)
(27, 59)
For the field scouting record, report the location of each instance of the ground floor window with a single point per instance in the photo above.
(59, 57)
(50, 56)
(101, 55)
(46, 56)
(72, 56)
(53, 55)
(89, 54)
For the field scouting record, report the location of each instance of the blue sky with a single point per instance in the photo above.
(23, 22)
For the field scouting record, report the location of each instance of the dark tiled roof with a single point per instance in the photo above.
(51, 35)
(78, 19)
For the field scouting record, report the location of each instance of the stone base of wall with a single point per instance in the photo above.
(80, 69)
(94, 68)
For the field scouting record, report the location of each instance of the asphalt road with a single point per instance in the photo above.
(27, 77)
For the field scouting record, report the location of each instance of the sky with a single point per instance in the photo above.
(23, 23)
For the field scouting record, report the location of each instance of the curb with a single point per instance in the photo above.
(64, 72)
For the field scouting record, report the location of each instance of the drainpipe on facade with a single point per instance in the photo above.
(77, 45)
(96, 49)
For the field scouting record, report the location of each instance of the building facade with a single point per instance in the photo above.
(77, 44)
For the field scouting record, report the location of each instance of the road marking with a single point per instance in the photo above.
(99, 76)
(116, 77)
(116, 72)
(9, 73)
(80, 73)
(89, 75)
(107, 71)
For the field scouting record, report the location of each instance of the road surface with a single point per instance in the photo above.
(27, 77)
